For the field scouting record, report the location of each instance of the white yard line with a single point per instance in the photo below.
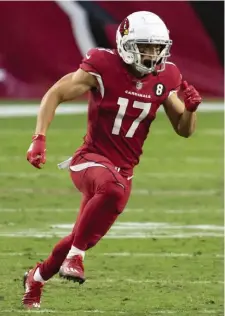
(109, 312)
(33, 175)
(186, 175)
(190, 211)
(122, 254)
(38, 209)
(203, 131)
(138, 281)
(185, 159)
(146, 226)
(11, 110)
(127, 210)
(64, 191)
(157, 175)
(113, 312)
(51, 158)
(52, 131)
(138, 235)
(212, 132)
(207, 131)
(160, 255)
(62, 312)
(176, 192)
(126, 230)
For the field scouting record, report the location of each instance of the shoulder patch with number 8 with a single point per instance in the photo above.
(159, 89)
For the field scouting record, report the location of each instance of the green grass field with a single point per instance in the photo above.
(164, 256)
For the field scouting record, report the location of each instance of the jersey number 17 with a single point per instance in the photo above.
(123, 103)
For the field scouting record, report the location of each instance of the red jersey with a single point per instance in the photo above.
(122, 109)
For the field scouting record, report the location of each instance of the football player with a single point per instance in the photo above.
(126, 88)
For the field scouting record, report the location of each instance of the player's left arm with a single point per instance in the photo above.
(182, 115)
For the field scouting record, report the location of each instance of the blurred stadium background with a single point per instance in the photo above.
(174, 264)
(42, 41)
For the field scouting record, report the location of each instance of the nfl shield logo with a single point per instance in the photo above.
(139, 85)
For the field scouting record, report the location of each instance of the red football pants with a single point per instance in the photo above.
(105, 195)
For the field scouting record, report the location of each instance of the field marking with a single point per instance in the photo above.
(64, 191)
(109, 312)
(26, 234)
(217, 132)
(136, 281)
(62, 312)
(127, 210)
(123, 254)
(186, 175)
(185, 159)
(191, 211)
(177, 192)
(11, 110)
(126, 230)
(157, 175)
(161, 255)
(52, 131)
(146, 229)
(127, 226)
(211, 131)
(51, 158)
(38, 209)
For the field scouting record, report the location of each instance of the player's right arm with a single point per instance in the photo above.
(69, 87)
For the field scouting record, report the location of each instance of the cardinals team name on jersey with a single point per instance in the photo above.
(148, 96)
(119, 121)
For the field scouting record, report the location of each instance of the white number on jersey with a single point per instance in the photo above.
(123, 103)
(159, 89)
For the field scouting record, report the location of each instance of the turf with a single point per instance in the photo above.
(165, 254)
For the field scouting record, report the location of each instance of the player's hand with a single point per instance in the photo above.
(36, 151)
(192, 98)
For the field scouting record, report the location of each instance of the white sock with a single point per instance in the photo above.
(37, 276)
(75, 251)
